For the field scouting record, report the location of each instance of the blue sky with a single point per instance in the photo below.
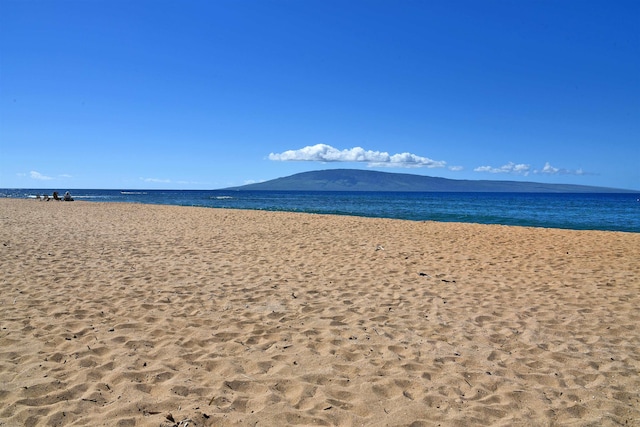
(211, 94)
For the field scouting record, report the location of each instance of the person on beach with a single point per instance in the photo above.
(55, 196)
(67, 197)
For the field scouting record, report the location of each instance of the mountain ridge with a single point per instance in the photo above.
(367, 180)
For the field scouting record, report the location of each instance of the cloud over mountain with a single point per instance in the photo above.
(520, 169)
(327, 153)
(524, 169)
(550, 170)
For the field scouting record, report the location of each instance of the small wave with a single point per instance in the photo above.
(128, 193)
(91, 197)
(223, 197)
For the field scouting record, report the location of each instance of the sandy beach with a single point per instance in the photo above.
(145, 315)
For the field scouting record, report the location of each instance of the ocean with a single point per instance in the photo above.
(614, 212)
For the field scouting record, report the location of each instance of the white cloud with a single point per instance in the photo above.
(39, 176)
(327, 153)
(513, 168)
(164, 181)
(524, 169)
(456, 168)
(550, 170)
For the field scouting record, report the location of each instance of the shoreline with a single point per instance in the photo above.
(607, 212)
(123, 314)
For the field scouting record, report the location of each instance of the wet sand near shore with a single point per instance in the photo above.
(145, 315)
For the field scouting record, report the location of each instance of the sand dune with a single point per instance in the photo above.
(141, 315)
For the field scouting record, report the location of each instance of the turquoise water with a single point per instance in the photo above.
(617, 212)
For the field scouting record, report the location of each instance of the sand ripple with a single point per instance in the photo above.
(134, 315)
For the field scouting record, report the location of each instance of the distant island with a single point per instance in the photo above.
(366, 180)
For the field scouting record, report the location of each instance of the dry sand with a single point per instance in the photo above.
(137, 315)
